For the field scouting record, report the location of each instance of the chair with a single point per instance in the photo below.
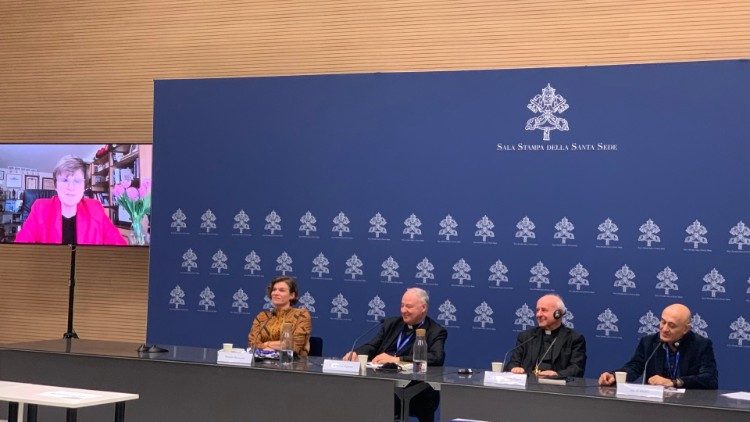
(316, 346)
(29, 196)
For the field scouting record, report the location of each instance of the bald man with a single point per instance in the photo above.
(679, 357)
(549, 350)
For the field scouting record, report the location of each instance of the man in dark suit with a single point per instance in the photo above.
(551, 349)
(393, 344)
(679, 357)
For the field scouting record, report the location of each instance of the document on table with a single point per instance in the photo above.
(740, 395)
(405, 367)
(62, 394)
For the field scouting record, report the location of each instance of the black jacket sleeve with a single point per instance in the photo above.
(516, 359)
(577, 363)
(634, 367)
(702, 371)
(375, 346)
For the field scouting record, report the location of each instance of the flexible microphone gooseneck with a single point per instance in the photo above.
(378, 324)
(645, 366)
(272, 312)
(516, 347)
(536, 368)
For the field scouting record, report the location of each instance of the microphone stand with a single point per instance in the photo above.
(505, 358)
(378, 324)
(71, 333)
(645, 366)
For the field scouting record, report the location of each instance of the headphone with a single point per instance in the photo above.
(561, 310)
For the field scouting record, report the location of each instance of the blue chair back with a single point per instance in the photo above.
(316, 346)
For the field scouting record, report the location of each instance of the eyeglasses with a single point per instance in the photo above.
(70, 181)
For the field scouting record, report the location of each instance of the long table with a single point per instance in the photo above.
(580, 400)
(186, 384)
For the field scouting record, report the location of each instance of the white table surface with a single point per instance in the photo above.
(49, 395)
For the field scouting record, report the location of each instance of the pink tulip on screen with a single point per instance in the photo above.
(145, 187)
(118, 190)
(132, 194)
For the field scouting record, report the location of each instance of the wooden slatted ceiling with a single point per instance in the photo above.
(83, 71)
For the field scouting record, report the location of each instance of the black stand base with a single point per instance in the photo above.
(145, 348)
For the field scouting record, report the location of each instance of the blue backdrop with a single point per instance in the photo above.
(639, 193)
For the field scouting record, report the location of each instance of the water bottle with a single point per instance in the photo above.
(286, 353)
(419, 352)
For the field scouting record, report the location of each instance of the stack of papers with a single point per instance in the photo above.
(739, 395)
(551, 381)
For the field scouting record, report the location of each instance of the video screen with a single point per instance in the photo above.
(76, 194)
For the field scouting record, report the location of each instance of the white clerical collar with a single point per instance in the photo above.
(411, 327)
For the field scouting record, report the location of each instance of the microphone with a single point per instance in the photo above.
(645, 366)
(536, 334)
(377, 324)
(272, 312)
(536, 368)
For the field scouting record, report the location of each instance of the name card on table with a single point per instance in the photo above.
(504, 379)
(340, 367)
(237, 357)
(649, 392)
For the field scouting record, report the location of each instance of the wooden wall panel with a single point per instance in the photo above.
(34, 291)
(111, 293)
(83, 71)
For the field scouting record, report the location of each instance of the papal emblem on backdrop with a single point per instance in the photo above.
(547, 105)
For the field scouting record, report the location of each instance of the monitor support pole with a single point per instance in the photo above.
(71, 333)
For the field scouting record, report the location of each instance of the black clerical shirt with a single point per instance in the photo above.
(545, 349)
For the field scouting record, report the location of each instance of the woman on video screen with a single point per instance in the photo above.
(68, 218)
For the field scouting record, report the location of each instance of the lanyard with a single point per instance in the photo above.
(672, 371)
(401, 342)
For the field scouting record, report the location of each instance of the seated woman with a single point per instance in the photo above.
(68, 218)
(266, 330)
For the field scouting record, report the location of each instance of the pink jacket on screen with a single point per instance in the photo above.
(93, 227)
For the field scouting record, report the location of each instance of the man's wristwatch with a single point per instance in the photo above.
(677, 383)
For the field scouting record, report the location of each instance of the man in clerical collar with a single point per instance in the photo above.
(394, 341)
(551, 349)
(673, 357)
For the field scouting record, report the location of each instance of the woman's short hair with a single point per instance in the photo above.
(290, 281)
(67, 165)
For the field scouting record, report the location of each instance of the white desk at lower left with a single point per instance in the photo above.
(19, 394)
